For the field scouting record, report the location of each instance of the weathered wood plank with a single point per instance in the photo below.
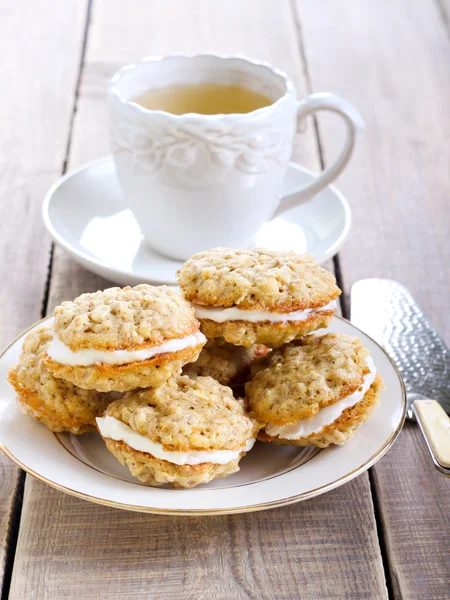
(325, 548)
(39, 59)
(415, 511)
(392, 59)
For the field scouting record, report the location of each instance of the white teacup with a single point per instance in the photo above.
(196, 181)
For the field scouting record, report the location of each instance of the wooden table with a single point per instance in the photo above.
(385, 534)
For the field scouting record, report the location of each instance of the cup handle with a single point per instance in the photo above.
(353, 123)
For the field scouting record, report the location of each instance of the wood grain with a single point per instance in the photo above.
(39, 66)
(322, 548)
(414, 501)
(325, 548)
(392, 59)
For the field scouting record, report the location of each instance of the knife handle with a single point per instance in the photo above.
(435, 425)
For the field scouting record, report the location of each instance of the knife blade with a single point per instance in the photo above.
(386, 311)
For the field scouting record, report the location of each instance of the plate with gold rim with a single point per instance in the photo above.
(269, 476)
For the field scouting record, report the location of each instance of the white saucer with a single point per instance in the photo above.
(85, 214)
(270, 475)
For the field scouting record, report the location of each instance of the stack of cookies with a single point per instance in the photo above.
(161, 375)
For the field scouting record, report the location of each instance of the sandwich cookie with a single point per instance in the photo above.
(56, 403)
(258, 296)
(123, 338)
(185, 432)
(316, 391)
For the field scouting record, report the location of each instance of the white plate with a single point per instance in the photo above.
(270, 475)
(85, 214)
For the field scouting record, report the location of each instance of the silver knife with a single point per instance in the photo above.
(387, 312)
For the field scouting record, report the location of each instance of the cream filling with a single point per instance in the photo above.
(326, 415)
(220, 315)
(61, 353)
(116, 430)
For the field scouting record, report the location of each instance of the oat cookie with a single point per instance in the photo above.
(58, 404)
(258, 296)
(123, 338)
(317, 390)
(186, 432)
